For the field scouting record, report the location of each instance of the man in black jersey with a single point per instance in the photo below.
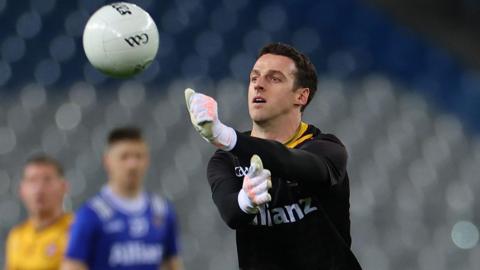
(295, 215)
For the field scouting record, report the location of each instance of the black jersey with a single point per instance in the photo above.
(307, 224)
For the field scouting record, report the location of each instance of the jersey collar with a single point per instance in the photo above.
(299, 136)
(129, 206)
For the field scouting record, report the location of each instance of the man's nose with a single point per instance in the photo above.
(39, 187)
(133, 162)
(259, 84)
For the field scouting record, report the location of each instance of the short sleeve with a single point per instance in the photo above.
(171, 243)
(10, 249)
(83, 234)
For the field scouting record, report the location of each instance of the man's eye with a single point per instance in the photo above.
(275, 79)
(253, 79)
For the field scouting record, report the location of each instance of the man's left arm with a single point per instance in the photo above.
(171, 259)
(9, 250)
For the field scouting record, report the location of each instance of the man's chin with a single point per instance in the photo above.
(259, 118)
(40, 211)
(132, 184)
(260, 121)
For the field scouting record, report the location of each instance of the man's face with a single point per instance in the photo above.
(126, 162)
(271, 90)
(42, 189)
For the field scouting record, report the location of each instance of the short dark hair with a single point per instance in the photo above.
(44, 159)
(128, 133)
(306, 75)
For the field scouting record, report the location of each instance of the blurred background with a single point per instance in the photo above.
(399, 84)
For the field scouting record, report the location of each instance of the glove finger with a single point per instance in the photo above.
(255, 181)
(262, 198)
(202, 100)
(265, 173)
(208, 109)
(256, 165)
(254, 170)
(196, 107)
(260, 188)
(189, 93)
(248, 185)
(202, 117)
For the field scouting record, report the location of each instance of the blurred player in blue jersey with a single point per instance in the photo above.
(124, 227)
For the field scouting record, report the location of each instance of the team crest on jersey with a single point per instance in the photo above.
(241, 171)
(51, 249)
(138, 226)
(157, 221)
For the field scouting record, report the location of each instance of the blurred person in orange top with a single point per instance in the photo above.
(40, 241)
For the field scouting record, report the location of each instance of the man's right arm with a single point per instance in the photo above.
(225, 187)
(316, 162)
(9, 250)
(81, 240)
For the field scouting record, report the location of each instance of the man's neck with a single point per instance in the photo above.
(279, 129)
(41, 221)
(123, 192)
(129, 204)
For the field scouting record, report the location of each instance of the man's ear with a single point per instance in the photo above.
(302, 96)
(20, 190)
(66, 186)
(105, 159)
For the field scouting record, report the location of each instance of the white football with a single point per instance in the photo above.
(120, 39)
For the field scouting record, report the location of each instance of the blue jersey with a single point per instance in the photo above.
(106, 236)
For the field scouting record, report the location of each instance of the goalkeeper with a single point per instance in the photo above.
(292, 211)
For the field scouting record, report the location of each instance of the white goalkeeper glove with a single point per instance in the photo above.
(256, 183)
(204, 117)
